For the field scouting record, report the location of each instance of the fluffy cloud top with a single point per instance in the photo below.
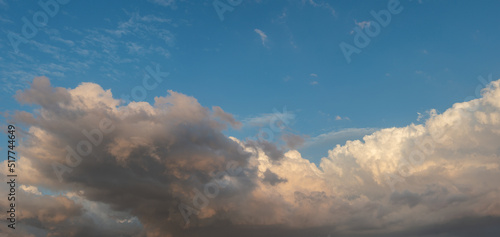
(132, 166)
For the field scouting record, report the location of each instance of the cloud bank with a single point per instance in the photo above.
(111, 169)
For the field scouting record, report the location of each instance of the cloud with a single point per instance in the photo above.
(263, 36)
(313, 82)
(270, 150)
(2, 19)
(64, 41)
(422, 73)
(321, 5)
(293, 141)
(140, 26)
(340, 118)
(325, 141)
(272, 178)
(168, 142)
(165, 3)
(271, 119)
(104, 50)
(361, 25)
(30, 189)
(219, 113)
(158, 155)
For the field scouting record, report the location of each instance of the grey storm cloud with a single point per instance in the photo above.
(293, 141)
(268, 148)
(141, 162)
(218, 112)
(272, 178)
(113, 169)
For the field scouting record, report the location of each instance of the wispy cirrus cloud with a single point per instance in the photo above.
(267, 118)
(262, 35)
(74, 52)
(165, 3)
(338, 117)
(323, 5)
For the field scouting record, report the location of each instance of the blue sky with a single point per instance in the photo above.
(262, 61)
(429, 56)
